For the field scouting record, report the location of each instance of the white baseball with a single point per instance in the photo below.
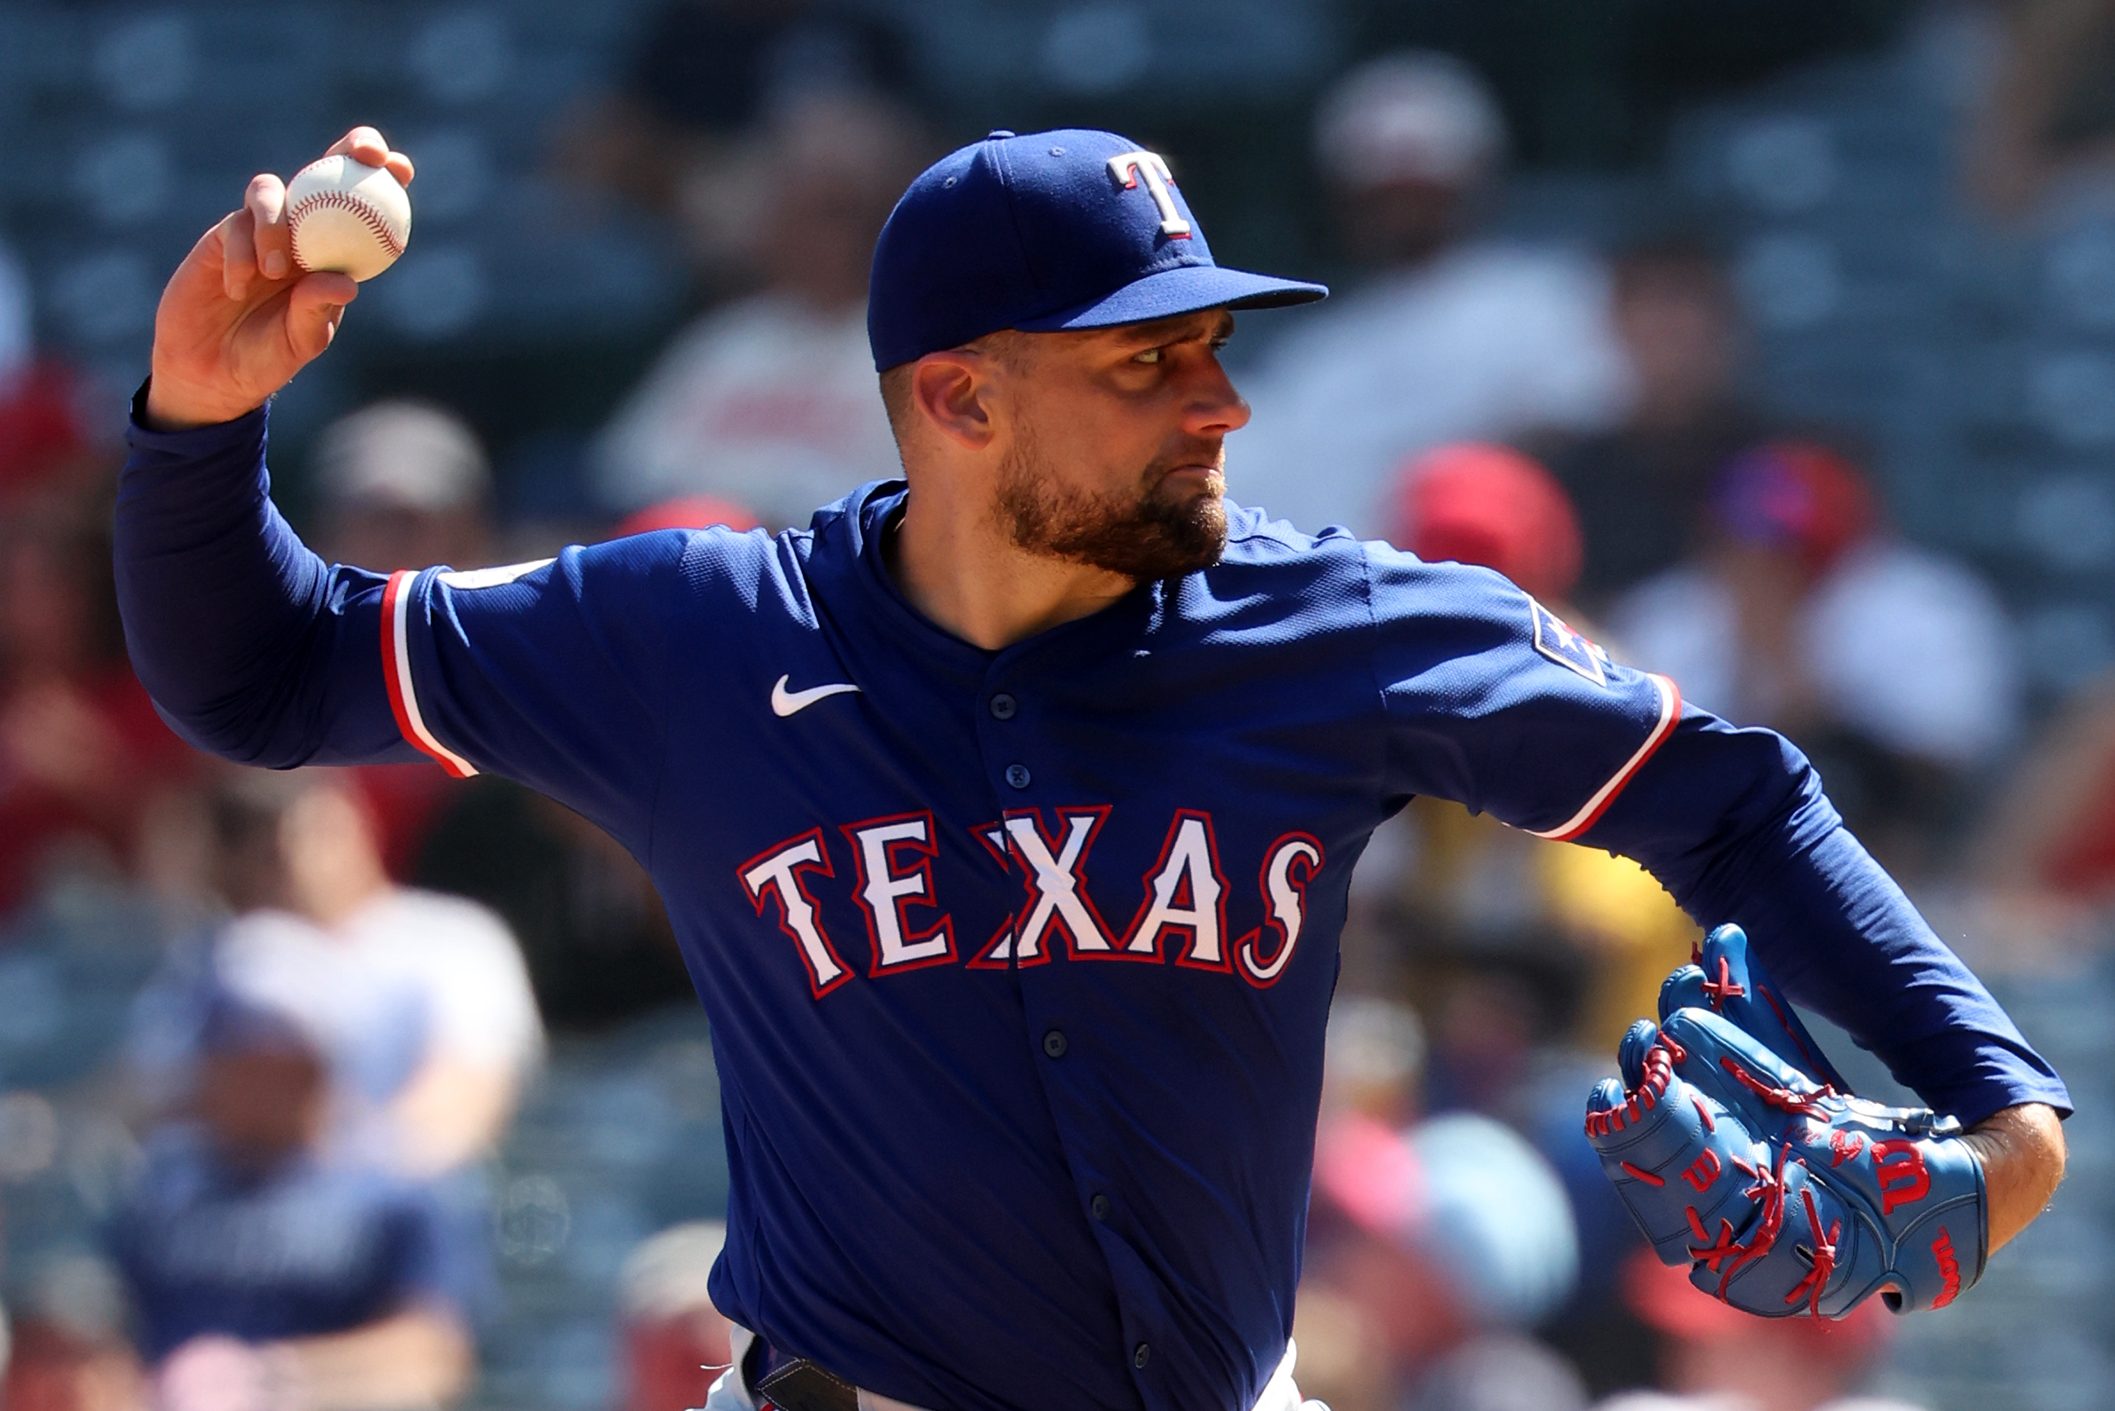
(347, 217)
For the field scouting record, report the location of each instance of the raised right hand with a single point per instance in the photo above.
(238, 318)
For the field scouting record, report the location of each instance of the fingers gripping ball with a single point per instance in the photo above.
(1782, 1195)
(347, 217)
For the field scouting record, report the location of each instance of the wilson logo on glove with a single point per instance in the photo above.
(1903, 1179)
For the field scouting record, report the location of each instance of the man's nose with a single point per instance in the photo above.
(1215, 408)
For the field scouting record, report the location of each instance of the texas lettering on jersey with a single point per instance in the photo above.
(889, 884)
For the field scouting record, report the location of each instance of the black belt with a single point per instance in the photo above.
(794, 1383)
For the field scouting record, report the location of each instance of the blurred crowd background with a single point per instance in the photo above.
(1773, 343)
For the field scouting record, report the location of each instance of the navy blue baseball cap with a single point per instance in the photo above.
(1053, 230)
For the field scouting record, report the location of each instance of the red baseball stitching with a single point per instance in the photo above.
(363, 210)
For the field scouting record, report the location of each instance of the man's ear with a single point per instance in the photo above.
(952, 392)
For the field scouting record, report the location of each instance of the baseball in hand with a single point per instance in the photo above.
(347, 217)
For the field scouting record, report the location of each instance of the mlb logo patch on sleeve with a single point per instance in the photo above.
(1567, 648)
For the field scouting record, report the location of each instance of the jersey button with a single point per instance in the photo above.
(1018, 775)
(1141, 1355)
(1100, 1206)
(1003, 706)
(1054, 1043)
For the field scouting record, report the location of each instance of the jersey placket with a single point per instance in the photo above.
(1047, 830)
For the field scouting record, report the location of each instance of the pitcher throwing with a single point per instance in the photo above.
(1006, 813)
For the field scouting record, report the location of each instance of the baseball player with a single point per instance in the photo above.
(1006, 812)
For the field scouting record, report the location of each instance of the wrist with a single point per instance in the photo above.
(2022, 1152)
(170, 406)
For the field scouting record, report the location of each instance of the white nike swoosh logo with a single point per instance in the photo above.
(785, 702)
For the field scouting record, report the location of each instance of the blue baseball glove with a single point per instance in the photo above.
(1783, 1194)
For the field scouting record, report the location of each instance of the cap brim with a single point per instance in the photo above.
(1182, 290)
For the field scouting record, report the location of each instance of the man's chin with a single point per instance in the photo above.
(1188, 491)
(1196, 538)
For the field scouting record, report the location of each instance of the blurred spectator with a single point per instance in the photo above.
(2046, 118)
(675, 1341)
(267, 1271)
(771, 400)
(82, 753)
(400, 485)
(1444, 1241)
(1500, 1371)
(1440, 334)
(1641, 484)
(44, 444)
(704, 73)
(66, 1349)
(1597, 85)
(1494, 507)
(1892, 666)
(84, 760)
(1373, 1064)
(2050, 835)
(1716, 1358)
(593, 933)
(1341, 1363)
(429, 1000)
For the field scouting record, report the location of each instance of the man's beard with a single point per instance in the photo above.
(1157, 531)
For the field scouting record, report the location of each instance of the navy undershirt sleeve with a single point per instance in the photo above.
(251, 646)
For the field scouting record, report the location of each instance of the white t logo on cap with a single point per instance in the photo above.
(1130, 166)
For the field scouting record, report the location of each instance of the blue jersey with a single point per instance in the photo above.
(1018, 962)
(309, 1248)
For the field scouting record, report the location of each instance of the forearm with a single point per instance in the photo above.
(2022, 1150)
(414, 1359)
(237, 630)
(451, 1111)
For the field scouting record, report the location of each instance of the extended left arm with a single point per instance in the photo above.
(1490, 700)
(1735, 824)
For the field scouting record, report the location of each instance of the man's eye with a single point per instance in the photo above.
(1149, 357)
